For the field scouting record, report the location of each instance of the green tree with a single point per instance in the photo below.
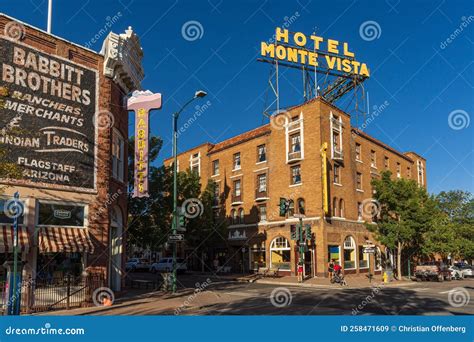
(405, 212)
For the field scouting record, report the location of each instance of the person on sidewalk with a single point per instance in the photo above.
(216, 264)
(331, 268)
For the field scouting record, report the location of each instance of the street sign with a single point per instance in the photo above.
(175, 238)
(369, 246)
(369, 250)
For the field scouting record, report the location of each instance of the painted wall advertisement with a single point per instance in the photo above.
(47, 110)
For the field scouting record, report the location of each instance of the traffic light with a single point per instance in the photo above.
(308, 231)
(283, 206)
(181, 221)
(293, 232)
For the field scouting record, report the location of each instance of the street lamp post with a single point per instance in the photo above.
(175, 223)
(15, 251)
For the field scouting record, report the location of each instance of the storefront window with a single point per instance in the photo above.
(349, 253)
(333, 253)
(363, 258)
(257, 256)
(280, 253)
(54, 267)
(8, 211)
(53, 214)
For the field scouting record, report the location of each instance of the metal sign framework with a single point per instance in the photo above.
(332, 85)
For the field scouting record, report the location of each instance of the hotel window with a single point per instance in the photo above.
(233, 215)
(349, 253)
(262, 213)
(195, 163)
(358, 155)
(386, 162)
(215, 167)
(295, 143)
(334, 206)
(342, 208)
(337, 176)
(241, 216)
(261, 153)
(237, 161)
(359, 211)
(373, 159)
(421, 172)
(359, 181)
(291, 208)
(399, 172)
(363, 258)
(118, 162)
(262, 182)
(301, 206)
(336, 133)
(8, 211)
(296, 174)
(280, 254)
(53, 214)
(237, 188)
(409, 172)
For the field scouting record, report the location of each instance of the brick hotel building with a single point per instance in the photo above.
(283, 159)
(68, 103)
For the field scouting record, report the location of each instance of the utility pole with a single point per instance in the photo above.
(15, 251)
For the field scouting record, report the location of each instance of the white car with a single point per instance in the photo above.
(456, 273)
(466, 270)
(166, 265)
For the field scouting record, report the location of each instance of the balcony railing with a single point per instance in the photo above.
(294, 156)
(260, 194)
(294, 125)
(236, 198)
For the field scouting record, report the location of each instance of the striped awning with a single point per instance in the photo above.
(57, 239)
(7, 238)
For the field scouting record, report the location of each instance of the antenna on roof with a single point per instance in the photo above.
(50, 12)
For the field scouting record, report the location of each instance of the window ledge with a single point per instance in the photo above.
(359, 161)
(293, 185)
(261, 162)
(240, 168)
(237, 203)
(262, 198)
(338, 184)
(359, 190)
(216, 175)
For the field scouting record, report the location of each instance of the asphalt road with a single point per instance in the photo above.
(234, 298)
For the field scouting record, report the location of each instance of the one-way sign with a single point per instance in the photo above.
(175, 238)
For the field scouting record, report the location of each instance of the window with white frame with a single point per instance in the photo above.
(237, 187)
(336, 134)
(295, 143)
(358, 152)
(421, 172)
(261, 153)
(236, 162)
(399, 170)
(363, 258)
(373, 159)
(262, 213)
(359, 181)
(241, 216)
(337, 175)
(296, 174)
(118, 156)
(359, 211)
(342, 208)
(215, 167)
(195, 163)
(262, 182)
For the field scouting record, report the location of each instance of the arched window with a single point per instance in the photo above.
(241, 215)
(301, 206)
(233, 215)
(280, 253)
(334, 207)
(342, 208)
(349, 253)
(378, 259)
(291, 208)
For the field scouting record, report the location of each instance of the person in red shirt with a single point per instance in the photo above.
(337, 269)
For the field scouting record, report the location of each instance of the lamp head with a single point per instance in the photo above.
(200, 93)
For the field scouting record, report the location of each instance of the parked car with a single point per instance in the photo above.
(166, 265)
(137, 264)
(455, 273)
(466, 270)
(432, 271)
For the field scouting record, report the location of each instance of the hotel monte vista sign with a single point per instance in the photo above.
(47, 113)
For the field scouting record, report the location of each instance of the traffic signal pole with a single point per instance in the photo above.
(301, 248)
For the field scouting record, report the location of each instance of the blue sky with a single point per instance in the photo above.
(421, 76)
